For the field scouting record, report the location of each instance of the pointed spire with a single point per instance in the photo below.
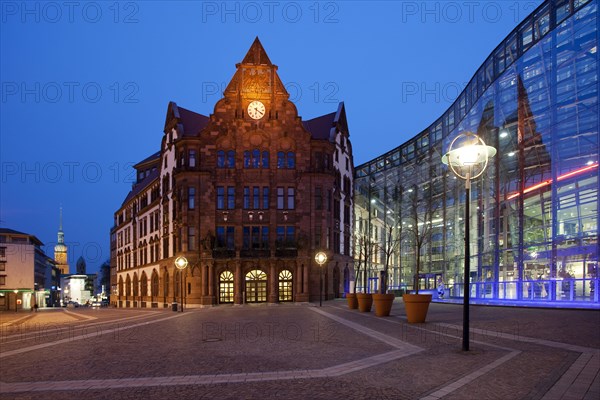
(257, 54)
(61, 235)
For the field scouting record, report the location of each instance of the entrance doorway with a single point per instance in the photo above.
(226, 287)
(256, 286)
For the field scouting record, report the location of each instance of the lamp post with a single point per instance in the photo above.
(321, 259)
(468, 157)
(16, 295)
(181, 263)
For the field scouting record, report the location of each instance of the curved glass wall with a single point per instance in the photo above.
(534, 212)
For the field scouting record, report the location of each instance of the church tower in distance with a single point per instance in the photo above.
(60, 250)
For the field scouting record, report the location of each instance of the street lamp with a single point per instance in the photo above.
(16, 295)
(468, 157)
(321, 258)
(181, 263)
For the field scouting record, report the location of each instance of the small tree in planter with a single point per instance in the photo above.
(383, 301)
(421, 211)
(365, 246)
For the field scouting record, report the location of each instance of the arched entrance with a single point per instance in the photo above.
(226, 287)
(143, 289)
(154, 288)
(285, 285)
(256, 286)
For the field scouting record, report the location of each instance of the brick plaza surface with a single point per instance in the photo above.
(299, 352)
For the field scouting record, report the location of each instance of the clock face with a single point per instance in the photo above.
(256, 110)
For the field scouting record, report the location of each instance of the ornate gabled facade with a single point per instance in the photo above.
(248, 195)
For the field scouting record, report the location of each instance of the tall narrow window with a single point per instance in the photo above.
(291, 200)
(255, 158)
(220, 237)
(265, 159)
(246, 198)
(247, 159)
(191, 201)
(255, 197)
(265, 205)
(220, 198)
(280, 235)
(290, 235)
(280, 198)
(246, 237)
(230, 197)
(265, 237)
(192, 158)
(255, 237)
(220, 159)
(318, 198)
(230, 237)
(291, 160)
(281, 159)
(317, 236)
(231, 159)
(191, 238)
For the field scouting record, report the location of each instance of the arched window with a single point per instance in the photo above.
(226, 287)
(128, 286)
(256, 286)
(291, 160)
(247, 159)
(280, 159)
(255, 158)
(154, 284)
(285, 285)
(135, 285)
(121, 293)
(144, 285)
(231, 159)
(265, 159)
(166, 287)
(220, 159)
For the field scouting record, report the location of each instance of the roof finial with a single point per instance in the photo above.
(60, 219)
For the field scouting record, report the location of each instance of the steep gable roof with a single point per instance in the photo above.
(323, 127)
(187, 122)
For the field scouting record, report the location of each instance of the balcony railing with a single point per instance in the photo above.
(286, 252)
(255, 253)
(223, 253)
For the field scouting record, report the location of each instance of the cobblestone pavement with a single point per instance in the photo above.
(299, 352)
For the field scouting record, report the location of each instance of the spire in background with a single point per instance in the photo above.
(61, 234)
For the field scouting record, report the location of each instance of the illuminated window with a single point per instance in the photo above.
(226, 287)
(256, 286)
(285, 285)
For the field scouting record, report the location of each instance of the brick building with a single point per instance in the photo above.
(248, 195)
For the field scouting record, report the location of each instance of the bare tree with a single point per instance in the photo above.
(365, 246)
(393, 239)
(421, 210)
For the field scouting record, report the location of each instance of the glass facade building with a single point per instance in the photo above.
(534, 211)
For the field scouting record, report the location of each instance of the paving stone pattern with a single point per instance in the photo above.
(299, 352)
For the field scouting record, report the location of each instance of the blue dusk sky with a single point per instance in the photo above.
(85, 86)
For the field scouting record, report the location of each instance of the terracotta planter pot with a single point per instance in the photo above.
(352, 301)
(416, 306)
(365, 301)
(383, 304)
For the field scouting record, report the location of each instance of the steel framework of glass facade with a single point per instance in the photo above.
(534, 212)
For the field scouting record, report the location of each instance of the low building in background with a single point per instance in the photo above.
(27, 275)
